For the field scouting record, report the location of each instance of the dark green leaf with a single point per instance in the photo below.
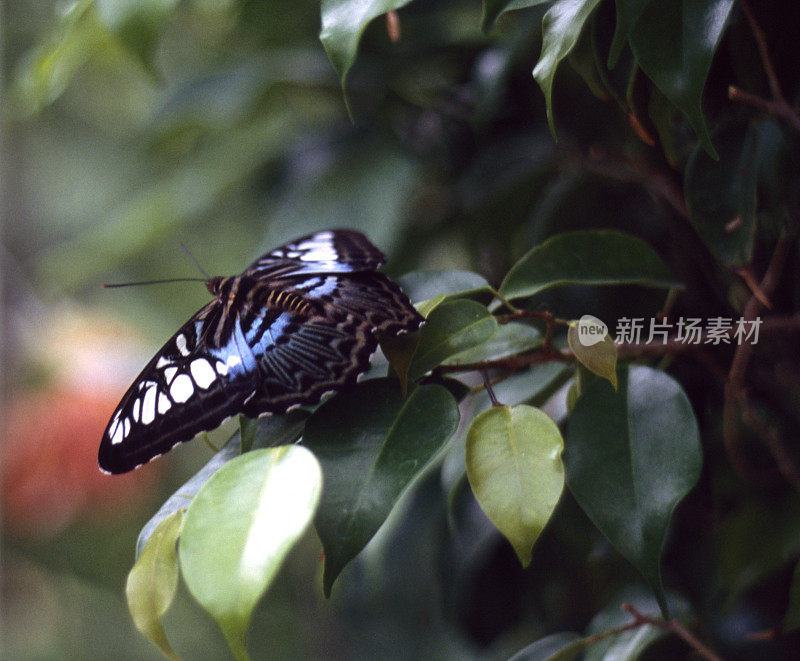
(631, 456)
(674, 43)
(152, 582)
(514, 466)
(247, 432)
(343, 23)
(561, 27)
(451, 327)
(399, 350)
(628, 12)
(562, 646)
(492, 9)
(721, 194)
(272, 430)
(509, 339)
(371, 443)
(423, 285)
(589, 257)
(240, 526)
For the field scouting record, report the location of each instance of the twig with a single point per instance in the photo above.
(735, 394)
(782, 110)
(673, 626)
(766, 61)
(778, 106)
(489, 390)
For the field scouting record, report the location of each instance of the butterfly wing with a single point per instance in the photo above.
(302, 357)
(186, 388)
(332, 251)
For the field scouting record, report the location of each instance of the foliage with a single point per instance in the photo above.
(627, 160)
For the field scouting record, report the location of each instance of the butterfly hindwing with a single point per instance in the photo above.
(332, 251)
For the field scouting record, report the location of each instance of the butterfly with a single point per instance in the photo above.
(299, 322)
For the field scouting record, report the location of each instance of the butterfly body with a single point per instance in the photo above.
(299, 322)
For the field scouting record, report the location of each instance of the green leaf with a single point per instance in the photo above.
(371, 443)
(587, 257)
(509, 339)
(399, 350)
(631, 457)
(515, 470)
(424, 285)
(239, 528)
(674, 43)
(343, 23)
(247, 432)
(628, 12)
(451, 327)
(272, 430)
(493, 9)
(562, 646)
(138, 24)
(427, 306)
(152, 582)
(561, 28)
(47, 70)
(791, 620)
(721, 194)
(596, 351)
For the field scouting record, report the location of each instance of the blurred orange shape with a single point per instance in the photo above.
(49, 475)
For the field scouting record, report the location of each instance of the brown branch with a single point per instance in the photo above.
(735, 393)
(672, 346)
(763, 49)
(778, 106)
(780, 109)
(673, 626)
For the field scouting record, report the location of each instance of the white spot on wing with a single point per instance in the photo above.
(127, 426)
(162, 361)
(149, 405)
(180, 342)
(163, 403)
(202, 372)
(116, 433)
(318, 249)
(137, 407)
(181, 388)
(169, 373)
(233, 361)
(222, 368)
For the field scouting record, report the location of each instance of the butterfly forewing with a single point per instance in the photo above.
(299, 322)
(186, 388)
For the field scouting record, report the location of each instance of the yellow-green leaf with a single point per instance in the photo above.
(592, 345)
(153, 581)
(515, 470)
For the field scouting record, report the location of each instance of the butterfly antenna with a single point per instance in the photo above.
(151, 282)
(196, 263)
